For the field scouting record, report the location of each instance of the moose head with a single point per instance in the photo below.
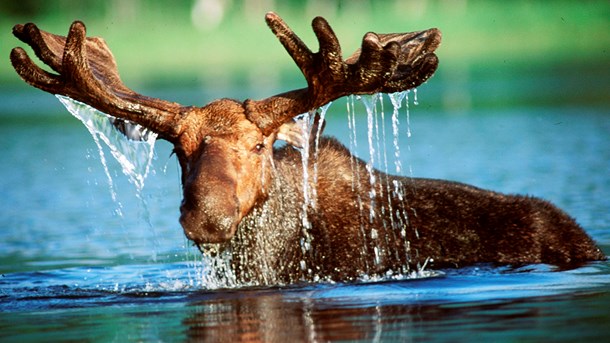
(225, 148)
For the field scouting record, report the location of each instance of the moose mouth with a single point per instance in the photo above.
(200, 230)
(212, 249)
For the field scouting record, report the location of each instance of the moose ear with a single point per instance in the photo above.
(298, 133)
(132, 131)
(292, 133)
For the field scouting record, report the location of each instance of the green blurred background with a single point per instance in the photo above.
(494, 53)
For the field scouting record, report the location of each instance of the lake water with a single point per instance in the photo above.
(78, 266)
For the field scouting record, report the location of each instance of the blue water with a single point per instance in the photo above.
(75, 269)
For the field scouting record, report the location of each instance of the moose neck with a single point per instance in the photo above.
(268, 237)
(284, 241)
(376, 225)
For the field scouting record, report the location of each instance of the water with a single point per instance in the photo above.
(133, 149)
(311, 129)
(73, 269)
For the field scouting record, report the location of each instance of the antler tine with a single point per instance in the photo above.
(330, 49)
(384, 63)
(33, 74)
(87, 72)
(49, 52)
(299, 52)
(417, 61)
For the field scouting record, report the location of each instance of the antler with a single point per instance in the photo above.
(385, 63)
(87, 72)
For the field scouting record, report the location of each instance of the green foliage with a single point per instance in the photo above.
(170, 43)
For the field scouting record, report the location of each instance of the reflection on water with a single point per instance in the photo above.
(265, 319)
(485, 301)
(72, 269)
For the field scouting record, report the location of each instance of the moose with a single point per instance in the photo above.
(244, 197)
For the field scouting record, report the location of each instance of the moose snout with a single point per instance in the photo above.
(209, 221)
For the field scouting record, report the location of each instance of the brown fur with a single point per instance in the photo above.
(446, 223)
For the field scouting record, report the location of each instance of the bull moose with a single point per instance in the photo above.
(242, 195)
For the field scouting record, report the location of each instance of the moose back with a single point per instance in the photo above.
(242, 196)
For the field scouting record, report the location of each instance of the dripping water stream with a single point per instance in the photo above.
(134, 155)
(310, 133)
(381, 156)
(376, 134)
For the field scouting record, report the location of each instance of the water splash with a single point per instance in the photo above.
(396, 100)
(305, 241)
(370, 104)
(214, 271)
(134, 154)
(308, 122)
(395, 189)
(353, 140)
(393, 221)
(135, 157)
(383, 209)
(321, 116)
(305, 121)
(415, 101)
(356, 181)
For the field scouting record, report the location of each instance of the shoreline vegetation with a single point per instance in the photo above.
(222, 45)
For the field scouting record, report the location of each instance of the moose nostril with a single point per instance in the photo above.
(208, 221)
(226, 224)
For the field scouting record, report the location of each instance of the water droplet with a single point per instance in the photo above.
(415, 102)
(377, 257)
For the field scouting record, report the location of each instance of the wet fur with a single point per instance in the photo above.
(439, 223)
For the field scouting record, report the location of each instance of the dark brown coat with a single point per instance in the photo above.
(415, 222)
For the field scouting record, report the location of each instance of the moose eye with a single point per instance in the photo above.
(259, 147)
